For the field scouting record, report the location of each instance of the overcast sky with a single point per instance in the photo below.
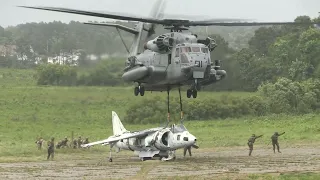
(263, 10)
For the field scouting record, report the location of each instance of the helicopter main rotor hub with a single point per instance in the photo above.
(176, 28)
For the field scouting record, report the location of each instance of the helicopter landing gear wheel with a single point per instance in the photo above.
(141, 90)
(189, 93)
(193, 93)
(136, 91)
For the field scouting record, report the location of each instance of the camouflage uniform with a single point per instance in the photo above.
(79, 142)
(185, 151)
(251, 141)
(274, 140)
(51, 149)
(74, 144)
(59, 144)
(39, 143)
(64, 142)
(86, 141)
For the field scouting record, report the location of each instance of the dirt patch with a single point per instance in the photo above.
(204, 164)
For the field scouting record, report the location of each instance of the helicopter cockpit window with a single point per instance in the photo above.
(184, 58)
(204, 50)
(185, 49)
(177, 52)
(195, 49)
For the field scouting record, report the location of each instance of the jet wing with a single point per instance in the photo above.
(104, 142)
(113, 139)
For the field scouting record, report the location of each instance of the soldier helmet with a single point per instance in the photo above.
(276, 133)
(52, 139)
(253, 135)
(87, 138)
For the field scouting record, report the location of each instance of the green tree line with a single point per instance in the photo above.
(286, 51)
(55, 37)
(101, 73)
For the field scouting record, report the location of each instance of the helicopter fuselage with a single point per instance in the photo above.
(184, 64)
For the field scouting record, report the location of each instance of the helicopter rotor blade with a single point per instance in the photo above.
(157, 12)
(168, 22)
(199, 23)
(111, 15)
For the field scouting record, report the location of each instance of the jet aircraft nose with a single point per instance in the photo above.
(193, 139)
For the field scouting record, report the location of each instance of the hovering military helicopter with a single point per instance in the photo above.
(172, 59)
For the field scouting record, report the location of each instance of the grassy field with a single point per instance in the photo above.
(28, 111)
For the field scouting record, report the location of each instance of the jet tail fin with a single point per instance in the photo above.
(117, 125)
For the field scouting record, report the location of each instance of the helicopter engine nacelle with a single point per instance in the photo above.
(163, 43)
(209, 42)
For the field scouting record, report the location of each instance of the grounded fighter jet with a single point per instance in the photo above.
(156, 142)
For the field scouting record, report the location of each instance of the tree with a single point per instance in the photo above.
(224, 53)
(287, 96)
(263, 39)
(23, 48)
(54, 74)
(1, 32)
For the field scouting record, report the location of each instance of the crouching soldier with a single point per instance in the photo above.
(64, 143)
(79, 142)
(39, 143)
(59, 144)
(74, 144)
